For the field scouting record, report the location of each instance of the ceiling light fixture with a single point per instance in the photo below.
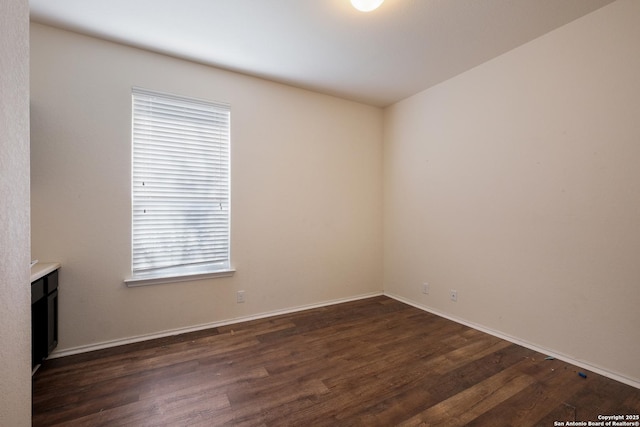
(366, 5)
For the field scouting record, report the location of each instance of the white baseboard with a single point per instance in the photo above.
(559, 356)
(139, 338)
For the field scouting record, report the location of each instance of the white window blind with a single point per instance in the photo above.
(180, 185)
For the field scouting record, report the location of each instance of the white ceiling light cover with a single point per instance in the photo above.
(366, 5)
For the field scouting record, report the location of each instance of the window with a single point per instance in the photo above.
(180, 188)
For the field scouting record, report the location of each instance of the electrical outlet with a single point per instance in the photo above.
(240, 297)
(453, 295)
(425, 288)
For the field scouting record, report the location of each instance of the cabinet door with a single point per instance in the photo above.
(52, 321)
(44, 317)
(38, 331)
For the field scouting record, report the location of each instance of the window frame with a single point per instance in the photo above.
(180, 272)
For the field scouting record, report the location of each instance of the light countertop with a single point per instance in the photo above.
(41, 269)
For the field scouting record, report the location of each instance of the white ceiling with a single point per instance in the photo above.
(378, 58)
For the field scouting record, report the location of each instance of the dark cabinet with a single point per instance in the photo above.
(44, 317)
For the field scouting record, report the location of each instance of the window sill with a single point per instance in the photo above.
(136, 281)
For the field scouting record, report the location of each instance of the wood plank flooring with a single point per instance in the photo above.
(374, 362)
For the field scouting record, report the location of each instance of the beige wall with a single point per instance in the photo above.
(15, 293)
(517, 183)
(306, 191)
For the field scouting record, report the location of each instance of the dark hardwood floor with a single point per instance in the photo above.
(374, 362)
